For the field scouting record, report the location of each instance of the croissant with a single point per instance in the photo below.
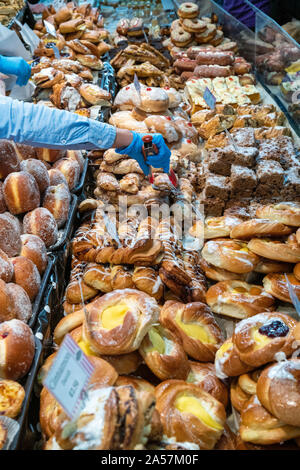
(164, 354)
(113, 418)
(278, 390)
(147, 280)
(195, 326)
(189, 414)
(119, 320)
(121, 278)
(258, 426)
(77, 290)
(98, 277)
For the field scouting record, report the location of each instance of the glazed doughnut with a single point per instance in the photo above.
(189, 414)
(57, 201)
(232, 255)
(38, 170)
(41, 222)
(204, 376)
(164, 354)
(276, 285)
(287, 213)
(21, 192)
(259, 338)
(9, 161)
(194, 326)
(207, 35)
(26, 275)
(180, 37)
(259, 228)
(6, 267)
(119, 320)
(20, 302)
(275, 250)
(70, 169)
(238, 299)
(193, 25)
(188, 10)
(10, 234)
(34, 249)
(278, 391)
(214, 227)
(17, 349)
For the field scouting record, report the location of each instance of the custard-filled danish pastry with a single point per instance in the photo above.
(195, 326)
(118, 321)
(278, 390)
(287, 213)
(204, 375)
(238, 299)
(228, 362)
(214, 227)
(232, 255)
(189, 414)
(219, 274)
(285, 251)
(164, 354)
(259, 338)
(277, 286)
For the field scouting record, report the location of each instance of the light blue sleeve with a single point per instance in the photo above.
(41, 126)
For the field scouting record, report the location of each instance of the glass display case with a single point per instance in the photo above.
(277, 61)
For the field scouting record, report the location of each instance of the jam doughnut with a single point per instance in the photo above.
(188, 10)
(193, 25)
(180, 37)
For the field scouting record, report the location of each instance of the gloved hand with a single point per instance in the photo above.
(134, 150)
(16, 66)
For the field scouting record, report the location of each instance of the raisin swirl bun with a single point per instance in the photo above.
(195, 327)
(164, 354)
(238, 299)
(118, 321)
(189, 414)
(259, 338)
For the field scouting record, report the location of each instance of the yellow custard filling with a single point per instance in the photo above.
(261, 340)
(195, 331)
(157, 342)
(113, 316)
(224, 348)
(191, 405)
(86, 348)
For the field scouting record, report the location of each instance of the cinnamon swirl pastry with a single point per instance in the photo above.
(77, 290)
(195, 327)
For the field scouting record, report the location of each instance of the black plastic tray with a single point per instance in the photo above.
(77, 190)
(65, 233)
(28, 386)
(38, 300)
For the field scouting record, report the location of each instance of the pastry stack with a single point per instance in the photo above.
(67, 81)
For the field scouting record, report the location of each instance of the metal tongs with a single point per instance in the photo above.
(148, 149)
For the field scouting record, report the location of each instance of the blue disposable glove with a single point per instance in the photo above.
(134, 150)
(16, 66)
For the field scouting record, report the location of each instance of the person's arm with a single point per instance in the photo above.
(40, 126)
(15, 66)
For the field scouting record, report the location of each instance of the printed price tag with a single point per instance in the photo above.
(209, 98)
(68, 377)
(50, 28)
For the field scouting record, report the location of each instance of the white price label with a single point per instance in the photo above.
(68, 377)
(50, 28)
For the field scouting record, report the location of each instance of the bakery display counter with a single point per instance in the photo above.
(188, 317)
